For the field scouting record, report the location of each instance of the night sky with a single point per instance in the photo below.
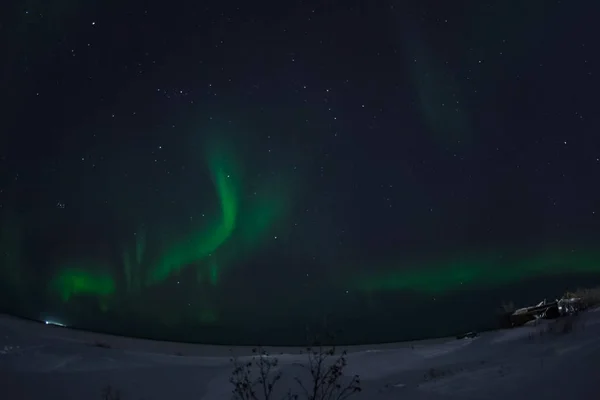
(226, 171)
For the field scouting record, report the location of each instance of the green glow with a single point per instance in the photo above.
(82, 280)
(267, 207)
(490, 270)
(214, 271)
(248, 211)
(246, 219)
(132, 266)
(438, 91)
(208, 316)
(204, 241)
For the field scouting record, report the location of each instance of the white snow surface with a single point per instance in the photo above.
(42, 361)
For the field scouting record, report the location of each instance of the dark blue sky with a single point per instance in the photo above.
(379, 153)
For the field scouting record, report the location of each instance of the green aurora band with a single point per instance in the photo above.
(202, 243)
(249, 211)
(242, 224)
(490, 270)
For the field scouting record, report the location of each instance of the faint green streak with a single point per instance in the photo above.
(475, 271)
(75, 281)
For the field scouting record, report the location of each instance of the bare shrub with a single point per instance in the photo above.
(590, 297)
(248, 385)
(109, 393)
(256, 379)
(504, 315)
(326, 371)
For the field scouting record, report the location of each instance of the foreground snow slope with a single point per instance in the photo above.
(47, 362)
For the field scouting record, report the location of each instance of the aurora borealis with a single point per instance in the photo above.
(215, 173)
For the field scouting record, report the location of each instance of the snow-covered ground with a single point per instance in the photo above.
(48, 362)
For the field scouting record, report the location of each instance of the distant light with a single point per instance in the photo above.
(54, 323)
